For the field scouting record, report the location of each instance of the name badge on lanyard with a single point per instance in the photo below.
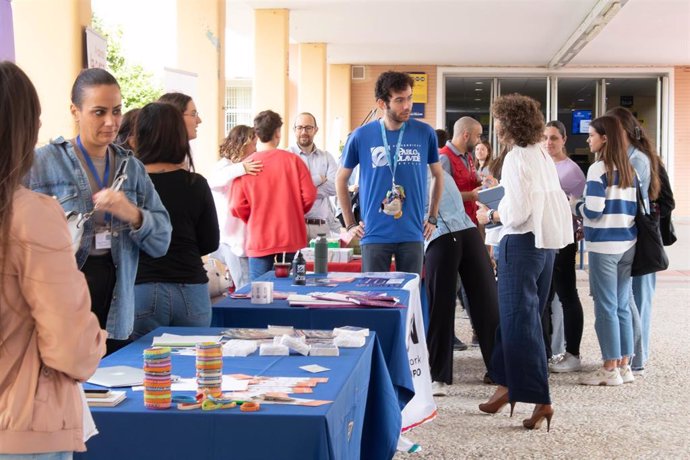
(392, 204)
(103, 234)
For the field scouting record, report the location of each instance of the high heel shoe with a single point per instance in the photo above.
(541, 412)
(499, 399)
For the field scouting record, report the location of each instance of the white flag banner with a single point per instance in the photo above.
(421, 408)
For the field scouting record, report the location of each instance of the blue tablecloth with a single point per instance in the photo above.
(389, 323)
(362, 422)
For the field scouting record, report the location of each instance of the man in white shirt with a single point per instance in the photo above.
(322, 166)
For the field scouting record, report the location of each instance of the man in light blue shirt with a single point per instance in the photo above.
(322, 166)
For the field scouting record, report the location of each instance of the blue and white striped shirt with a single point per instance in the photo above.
(608, 212)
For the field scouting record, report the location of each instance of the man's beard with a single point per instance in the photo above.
(301, 143)
(397, 118)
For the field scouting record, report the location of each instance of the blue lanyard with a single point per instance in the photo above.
(102, 183)
(392, 159)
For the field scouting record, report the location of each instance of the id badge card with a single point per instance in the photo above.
(392, 204)
(103, 238)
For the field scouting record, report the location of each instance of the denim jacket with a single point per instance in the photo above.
(452, 216)
(642, 167)
(58, 172)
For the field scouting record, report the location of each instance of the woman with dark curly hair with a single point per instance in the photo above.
(536, 220)
(240, 142)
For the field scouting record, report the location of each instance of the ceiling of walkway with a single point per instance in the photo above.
(480, 32)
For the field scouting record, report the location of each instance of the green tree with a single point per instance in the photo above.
(137, 85)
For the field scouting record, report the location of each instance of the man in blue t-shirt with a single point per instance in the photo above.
(393, 154)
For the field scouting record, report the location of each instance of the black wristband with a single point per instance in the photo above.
(351, 226)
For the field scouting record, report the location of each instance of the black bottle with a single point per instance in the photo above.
(300, 271)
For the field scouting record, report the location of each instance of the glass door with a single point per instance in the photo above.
(468, 97)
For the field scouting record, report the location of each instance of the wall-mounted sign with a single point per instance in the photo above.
(96, 50)
(420, 90)
(418, 110)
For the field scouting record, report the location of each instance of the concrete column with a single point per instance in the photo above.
(49, 47)
(200, 34)
(271, 64)
(311, 89)
(338, 111)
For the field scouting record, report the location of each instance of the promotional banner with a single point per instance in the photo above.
(96, 50)
(421, 408)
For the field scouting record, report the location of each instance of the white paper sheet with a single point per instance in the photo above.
(173, 340)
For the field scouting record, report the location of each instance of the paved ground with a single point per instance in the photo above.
(646, 419)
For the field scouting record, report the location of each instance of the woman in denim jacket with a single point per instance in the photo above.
(79, 173)
(647, 166)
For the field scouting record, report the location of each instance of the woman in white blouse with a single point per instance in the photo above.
(240, 142)
(536, 221)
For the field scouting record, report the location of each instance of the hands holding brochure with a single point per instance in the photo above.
(489, 199)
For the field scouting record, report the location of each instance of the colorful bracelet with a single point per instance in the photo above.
(250, 406)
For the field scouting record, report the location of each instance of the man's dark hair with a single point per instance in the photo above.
(442, 137)
(265, 125)
(391, 81)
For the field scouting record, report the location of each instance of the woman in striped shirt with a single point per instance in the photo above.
(608, 211)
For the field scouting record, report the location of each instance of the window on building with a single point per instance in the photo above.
(238, 104)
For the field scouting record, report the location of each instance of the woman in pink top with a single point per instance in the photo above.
(563, 282)
(49, 339)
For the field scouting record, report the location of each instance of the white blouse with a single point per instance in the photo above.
(534, 201)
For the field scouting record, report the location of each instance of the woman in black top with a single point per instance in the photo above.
(172, 290)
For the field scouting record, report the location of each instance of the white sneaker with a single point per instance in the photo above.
(439, 388)
(569, 363)
(603, 376)
(638, 372)
(626, 374)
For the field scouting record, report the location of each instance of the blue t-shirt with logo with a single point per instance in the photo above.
(418, 149)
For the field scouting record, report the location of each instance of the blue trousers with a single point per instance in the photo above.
(409, 257)
(643, 288)
(524, 280)
(610, 284)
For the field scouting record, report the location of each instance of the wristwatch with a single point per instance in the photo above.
(432, 220)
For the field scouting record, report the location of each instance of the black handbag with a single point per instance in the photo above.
(665, 205)
(650, 256)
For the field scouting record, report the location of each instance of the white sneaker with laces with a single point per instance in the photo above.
(626, 374)
(439, 388)
(603, 377)
(569, 363)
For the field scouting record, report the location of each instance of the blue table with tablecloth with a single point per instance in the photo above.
(362, 422)
(400, 331)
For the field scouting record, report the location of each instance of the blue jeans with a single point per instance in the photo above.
(44, 456)
(409, 257)
(170, 304)
(260, 265)
(609, 283)
(643, 288)
(524, 281)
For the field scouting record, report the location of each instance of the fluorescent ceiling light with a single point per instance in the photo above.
(600, 15)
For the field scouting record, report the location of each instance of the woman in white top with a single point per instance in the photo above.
(536, 221)
(240, 142)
